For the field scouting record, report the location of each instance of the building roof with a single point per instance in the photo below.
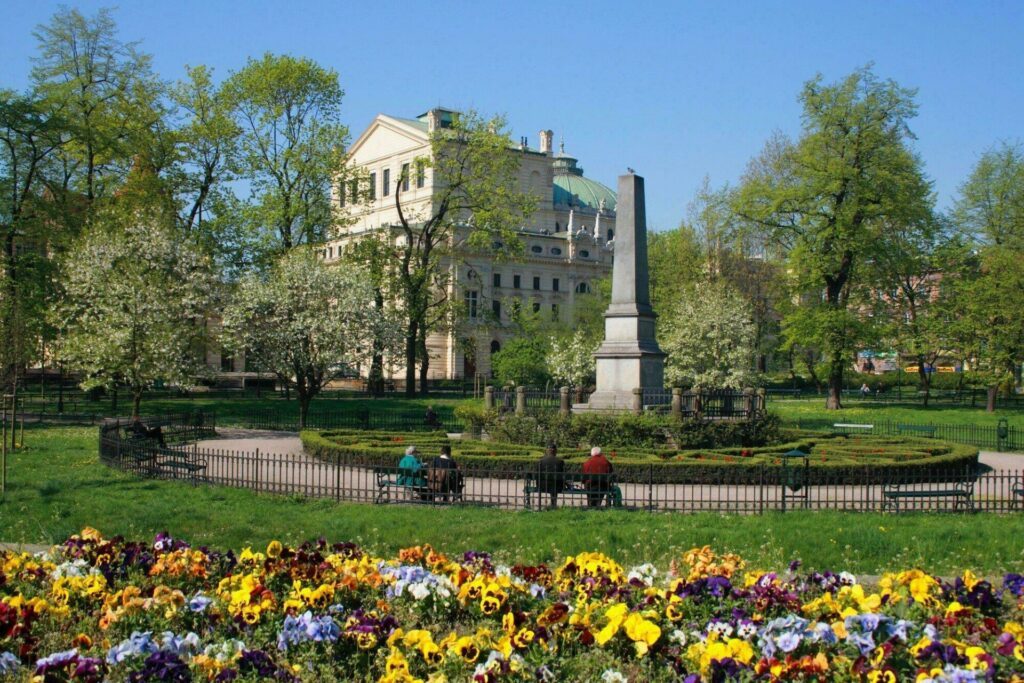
(570, 188)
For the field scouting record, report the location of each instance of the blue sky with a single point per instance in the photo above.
(675, 90)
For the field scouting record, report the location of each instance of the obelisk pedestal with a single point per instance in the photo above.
(629, 358)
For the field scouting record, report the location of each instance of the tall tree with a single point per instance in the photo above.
(290, 148)
(108, 96)
(307, 321)
(991, 202)
(476, 205)
(828, 197)
(135, 295)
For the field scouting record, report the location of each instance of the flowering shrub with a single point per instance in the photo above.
(96, 609)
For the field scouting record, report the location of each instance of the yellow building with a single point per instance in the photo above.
(568, 240)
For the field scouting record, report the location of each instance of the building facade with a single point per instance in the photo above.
(567, 242)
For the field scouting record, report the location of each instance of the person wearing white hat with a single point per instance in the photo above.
(410, 469)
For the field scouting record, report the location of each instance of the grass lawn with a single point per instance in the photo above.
(860, 411)
(57, 486)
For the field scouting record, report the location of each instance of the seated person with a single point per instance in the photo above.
(551, 474)
(410, 469)
(139, 428)
(444, 478)
(597, 476)
(431, 419)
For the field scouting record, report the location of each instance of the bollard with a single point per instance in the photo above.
(677, 403)
(489, 397)
(520, 400)
(638, 401)
(563, 401)
(761, 402)
(748, 403)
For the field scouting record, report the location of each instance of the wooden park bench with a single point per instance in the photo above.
(962, 493)
(178, 465)
(1017, 491)
(388, 479)
(846, 428)
(915, 430)
(574, 486)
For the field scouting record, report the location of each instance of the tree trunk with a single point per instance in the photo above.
(424, 361)
(136, 402)
(926, 379)
(411, 339)
(304, 401)
(835, 386)
(113, 400)
(990, 403)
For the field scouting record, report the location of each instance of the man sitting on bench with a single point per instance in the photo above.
(139, 428)
(551, 474)
(598, 483)
(444, 478)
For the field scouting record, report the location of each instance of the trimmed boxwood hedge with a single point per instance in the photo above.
(834, 459)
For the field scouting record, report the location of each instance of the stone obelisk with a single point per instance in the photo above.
(630, 357)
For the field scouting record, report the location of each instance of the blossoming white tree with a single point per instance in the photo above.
(307, 322)
(571, 359)
(708, 334)
(135, 298)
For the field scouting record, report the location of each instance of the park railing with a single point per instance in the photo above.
(988, 437)
(755, 490)
(968, 397)
(331, 418)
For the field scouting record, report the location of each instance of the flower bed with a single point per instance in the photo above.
(834, 459)
(95, 609)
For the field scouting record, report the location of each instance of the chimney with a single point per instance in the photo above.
(433, 120)
(546, 137)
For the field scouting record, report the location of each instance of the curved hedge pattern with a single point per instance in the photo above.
(833, 459)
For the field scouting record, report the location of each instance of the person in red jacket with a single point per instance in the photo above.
(597, 476)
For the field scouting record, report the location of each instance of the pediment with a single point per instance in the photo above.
(386, 136)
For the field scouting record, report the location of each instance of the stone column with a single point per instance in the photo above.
(748, 403)
(563, 401)
(520, 400)
(638, 401)
(489, 397)
(677, 403)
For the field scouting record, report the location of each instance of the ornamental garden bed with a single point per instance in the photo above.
(96, 609)
(833, 459)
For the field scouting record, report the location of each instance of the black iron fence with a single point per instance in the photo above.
(968, 397)
(327, 418)
(988, 437)
(748, 490)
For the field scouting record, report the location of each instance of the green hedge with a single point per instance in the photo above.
(834, 459)
(633, 431)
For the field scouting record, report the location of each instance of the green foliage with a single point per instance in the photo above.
(829, 199)
(522, 361)
(991, 202)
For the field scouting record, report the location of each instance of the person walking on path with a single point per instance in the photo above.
(597, 476)
(551, 474)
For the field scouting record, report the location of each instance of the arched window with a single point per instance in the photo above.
(536, 249)
(584, 253)
(555, 251)
(557, 226)
(495, 347)
(583, 288)
(611, 234)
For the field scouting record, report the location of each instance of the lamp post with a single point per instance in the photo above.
(1002, 431)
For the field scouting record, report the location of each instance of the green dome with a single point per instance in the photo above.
(572, 189)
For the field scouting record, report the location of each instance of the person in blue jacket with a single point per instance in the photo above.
(410, 469)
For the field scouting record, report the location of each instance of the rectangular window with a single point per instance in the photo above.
(554, 312)
(341, 194)
(554, 284)
(372, 192)
(536, 307)
(516, 308)
(421, 175)
(536, 282)
(385, 187)
(496, 279)
(471, 297)
(496, 309)
(353, 188)
(517, 281)
(405, 177)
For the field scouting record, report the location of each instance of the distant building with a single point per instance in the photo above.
(567, 242)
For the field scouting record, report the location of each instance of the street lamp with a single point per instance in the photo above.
(795, 477)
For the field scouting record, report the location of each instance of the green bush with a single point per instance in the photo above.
(834, 459)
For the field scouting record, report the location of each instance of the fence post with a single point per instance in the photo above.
(638, 401)
(489, 397)
(760, 501)
(257, 477)
(520, 400)
(677, 404)
(650, 488)
(563, 401)
(337, 480)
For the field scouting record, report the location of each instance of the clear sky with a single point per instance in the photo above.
(675, 90)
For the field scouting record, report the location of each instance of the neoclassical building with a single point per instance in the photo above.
(567, 243)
